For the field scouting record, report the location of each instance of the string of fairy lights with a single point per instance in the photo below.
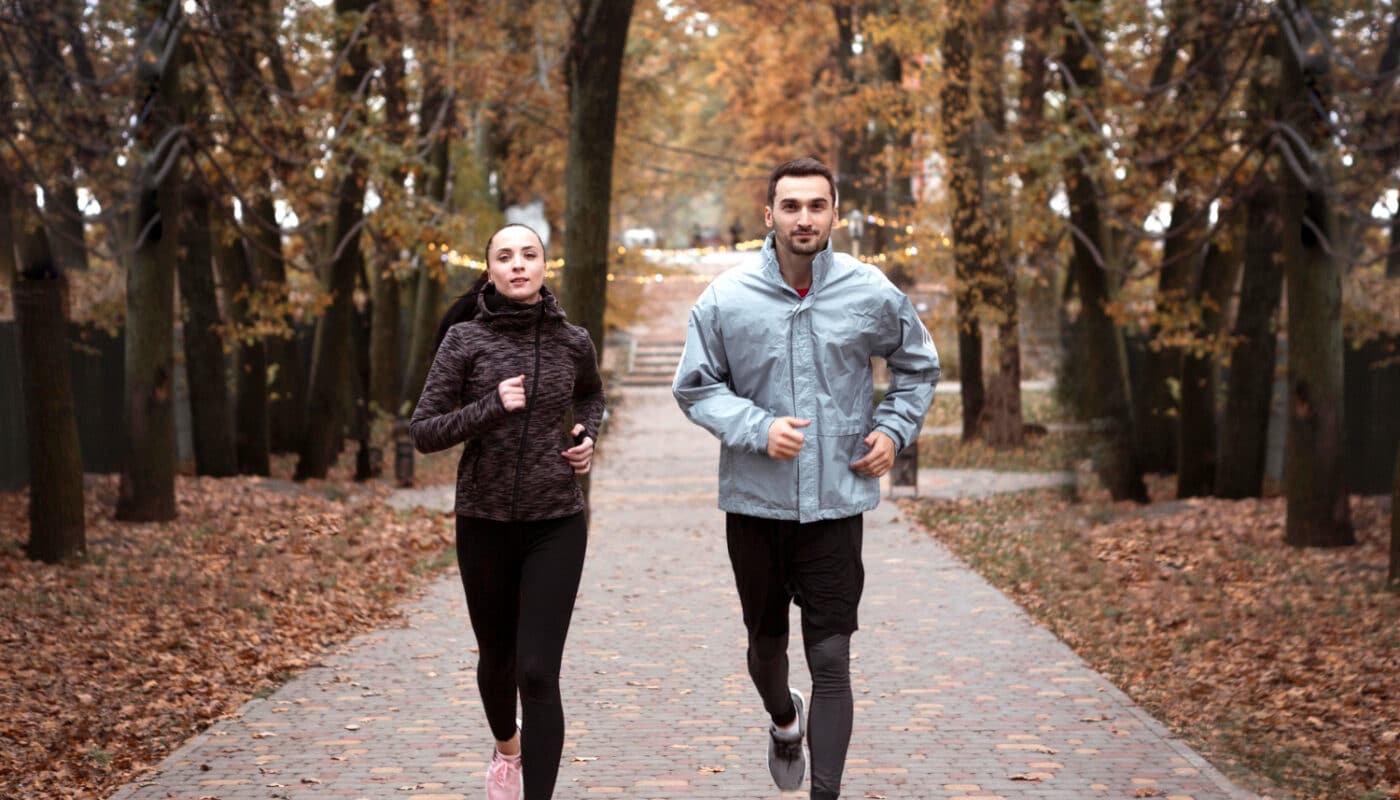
(451, 257)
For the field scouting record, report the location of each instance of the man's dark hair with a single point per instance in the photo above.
(800, 167)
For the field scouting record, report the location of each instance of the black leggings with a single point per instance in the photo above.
(818, 564)
(521, 579)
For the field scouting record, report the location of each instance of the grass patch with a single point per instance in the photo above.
(1058, 450)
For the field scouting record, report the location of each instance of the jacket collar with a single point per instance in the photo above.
(512, 317)
(821, 265)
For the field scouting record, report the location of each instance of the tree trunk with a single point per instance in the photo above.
(210, 414)
(1156, 411)
(1159, 426)
(330, 364)
(1314, 474)
(385, 367)
(1003, 425)
(254, 29)
(286, 382)
(69, 244)
(970, 231)
(1392, 259)
(1197, 433)
(850, 196)
(1249, 392)
(1105, 396)
(57, 523)
(385, 370)
(594, 70)
(1395, 524)
(57, 517)
(63, 216)
(147, 491)
(429, 287)
(251, 438)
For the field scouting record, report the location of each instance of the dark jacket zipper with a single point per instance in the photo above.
(529, 408)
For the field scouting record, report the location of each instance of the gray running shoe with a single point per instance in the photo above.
(787, 759)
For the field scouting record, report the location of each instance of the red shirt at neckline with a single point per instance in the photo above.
(803, 292)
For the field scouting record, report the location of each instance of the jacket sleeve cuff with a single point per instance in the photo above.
(761, 439)
(898, 440)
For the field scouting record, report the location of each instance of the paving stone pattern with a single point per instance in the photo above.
(958, 693)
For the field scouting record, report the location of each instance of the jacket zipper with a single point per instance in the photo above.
(792, 381)
(529, 409)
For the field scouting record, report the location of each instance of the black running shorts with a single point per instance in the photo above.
(816, 565)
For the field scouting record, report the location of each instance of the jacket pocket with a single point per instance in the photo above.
(754, 479)
(466, 466)
(839, 486)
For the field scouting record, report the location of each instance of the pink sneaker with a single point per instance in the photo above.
(503, 777)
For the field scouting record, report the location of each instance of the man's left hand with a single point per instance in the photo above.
(880, 458)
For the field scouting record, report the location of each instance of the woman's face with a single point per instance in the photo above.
(515, 264)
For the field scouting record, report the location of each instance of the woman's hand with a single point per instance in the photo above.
(580, 456)
(512, 392)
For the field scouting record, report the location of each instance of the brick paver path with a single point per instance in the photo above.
(958, 693)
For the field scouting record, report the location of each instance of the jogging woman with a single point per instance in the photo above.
(508, 367)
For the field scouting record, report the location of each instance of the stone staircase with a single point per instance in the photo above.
(652, 363)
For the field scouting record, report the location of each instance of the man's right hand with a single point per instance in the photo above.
(783, 439)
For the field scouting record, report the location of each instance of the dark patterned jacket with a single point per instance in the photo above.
(511, 467)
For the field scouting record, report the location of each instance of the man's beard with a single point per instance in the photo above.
(817, 245)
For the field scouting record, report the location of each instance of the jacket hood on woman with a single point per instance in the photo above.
(511, 467)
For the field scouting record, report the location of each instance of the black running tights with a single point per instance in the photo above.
(520, 580)
(832, 709)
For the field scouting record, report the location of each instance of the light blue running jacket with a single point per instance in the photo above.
(755, 351)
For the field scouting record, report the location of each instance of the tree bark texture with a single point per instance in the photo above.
(1314, 476)
(594, 71)
(331, 367)
(57, 523)
(147, 489)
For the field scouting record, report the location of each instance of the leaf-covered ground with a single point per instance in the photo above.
(109, 664)
(1282, 665)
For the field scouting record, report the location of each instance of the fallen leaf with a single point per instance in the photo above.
(1032, 776)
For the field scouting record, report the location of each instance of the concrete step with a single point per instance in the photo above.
(634, 379)
(654, 363)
